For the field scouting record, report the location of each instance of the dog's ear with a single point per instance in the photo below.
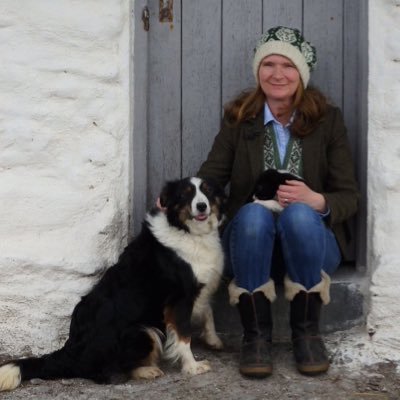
(259, 189)
(164, 195)
(212, 186)
(167, 193)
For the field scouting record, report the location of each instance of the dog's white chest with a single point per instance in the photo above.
(202, 252)
(205, 257)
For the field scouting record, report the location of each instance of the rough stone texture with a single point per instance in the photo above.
(64, 166)
(384, 176)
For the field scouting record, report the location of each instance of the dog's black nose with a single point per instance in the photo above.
(201, 207)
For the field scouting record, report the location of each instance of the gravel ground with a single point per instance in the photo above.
(346, 379)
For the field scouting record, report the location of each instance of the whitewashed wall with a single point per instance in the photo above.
(384, 175)
(64, 159)
(65, 163)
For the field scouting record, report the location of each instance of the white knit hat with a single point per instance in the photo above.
(287, 42)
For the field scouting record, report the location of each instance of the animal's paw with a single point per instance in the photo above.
(147, 373)
(272, 205)
(213, 341)
(197, 368)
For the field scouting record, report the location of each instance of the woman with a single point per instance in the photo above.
(283, 124)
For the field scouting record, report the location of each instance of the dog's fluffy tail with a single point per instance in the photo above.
(10, 376)
(50, 366)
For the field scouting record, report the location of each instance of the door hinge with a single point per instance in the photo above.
(146, 18)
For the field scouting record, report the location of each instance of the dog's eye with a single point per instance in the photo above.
(186, 193)
(206, 189)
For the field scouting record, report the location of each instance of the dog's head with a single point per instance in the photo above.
(268, 183)
(193, 204)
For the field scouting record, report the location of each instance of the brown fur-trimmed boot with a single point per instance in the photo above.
(255, 315)
(305, 308)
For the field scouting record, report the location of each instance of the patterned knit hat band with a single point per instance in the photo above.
(289, 43)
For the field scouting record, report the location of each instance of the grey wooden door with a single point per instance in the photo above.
(197, 55)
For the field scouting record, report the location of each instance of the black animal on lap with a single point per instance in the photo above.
(267, 184)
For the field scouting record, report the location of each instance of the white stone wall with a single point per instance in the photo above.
(64, 159)
(384, 175)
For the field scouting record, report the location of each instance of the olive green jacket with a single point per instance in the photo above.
(236, 157)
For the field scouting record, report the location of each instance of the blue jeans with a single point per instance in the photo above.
(307, 245)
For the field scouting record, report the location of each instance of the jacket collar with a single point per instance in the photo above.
(253, 133)
(311, 156)
(254, 127)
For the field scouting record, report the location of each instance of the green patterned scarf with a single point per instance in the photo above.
(293, 157)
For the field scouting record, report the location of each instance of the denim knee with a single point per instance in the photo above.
(248, 242)
(302, 234)
(253, 219)
(299, 218)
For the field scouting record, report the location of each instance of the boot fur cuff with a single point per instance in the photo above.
(268, 289)
(292, 288)
(235, 292)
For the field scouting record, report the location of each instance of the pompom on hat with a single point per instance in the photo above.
(287, 42)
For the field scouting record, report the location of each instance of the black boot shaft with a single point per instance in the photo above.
(256, 318)
(305, 310)
(308, 347)
(255, 315)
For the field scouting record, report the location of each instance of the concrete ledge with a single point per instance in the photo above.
(345, 310)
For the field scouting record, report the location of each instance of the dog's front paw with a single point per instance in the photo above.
(272, 205)
(196, 368)
(147, 373)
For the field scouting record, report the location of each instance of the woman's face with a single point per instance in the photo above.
(278, 77)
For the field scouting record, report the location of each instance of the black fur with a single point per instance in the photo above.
(106, 338)
(268, 183)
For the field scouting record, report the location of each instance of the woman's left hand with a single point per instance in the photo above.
(296, 191)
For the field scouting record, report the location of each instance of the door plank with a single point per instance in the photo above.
(351, 70)
(139, 181)
(350, 93)
(242, 26)
(323, 27)
(283, 12)
(201, 79)
(164, 116)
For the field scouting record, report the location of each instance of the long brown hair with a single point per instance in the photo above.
(310, 105)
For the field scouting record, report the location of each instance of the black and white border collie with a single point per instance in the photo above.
(266, 186)
(143, 306)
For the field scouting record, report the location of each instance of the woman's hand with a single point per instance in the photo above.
(297, 191)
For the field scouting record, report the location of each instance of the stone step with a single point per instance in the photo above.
(345, 310)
